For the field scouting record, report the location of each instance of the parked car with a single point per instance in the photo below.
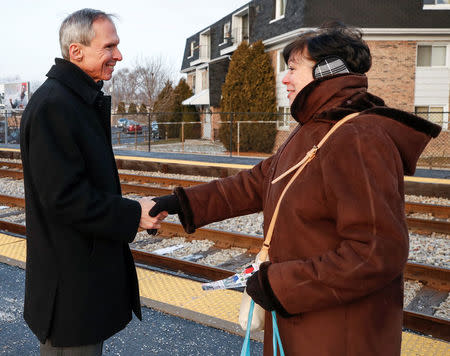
(132, 127)
(155, 130)
(122, 122)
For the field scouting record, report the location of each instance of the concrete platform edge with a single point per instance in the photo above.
(200, 318)
(12, 262)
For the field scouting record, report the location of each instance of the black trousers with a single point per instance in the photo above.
(86, 350)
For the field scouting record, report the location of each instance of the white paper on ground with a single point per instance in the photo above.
(167, 250)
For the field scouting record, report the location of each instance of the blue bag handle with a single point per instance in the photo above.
(245, 351)
(276, 336)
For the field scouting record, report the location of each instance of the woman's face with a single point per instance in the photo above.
(299, 74)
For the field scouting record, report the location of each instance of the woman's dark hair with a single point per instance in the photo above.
(333, 38)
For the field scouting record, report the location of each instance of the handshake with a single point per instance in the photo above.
(155, 209)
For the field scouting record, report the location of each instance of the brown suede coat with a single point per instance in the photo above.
(341, 242)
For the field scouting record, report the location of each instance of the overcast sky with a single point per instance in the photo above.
(147, 28)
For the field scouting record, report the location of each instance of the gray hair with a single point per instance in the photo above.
(77, 27)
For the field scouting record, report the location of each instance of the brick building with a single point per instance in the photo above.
(409, 41)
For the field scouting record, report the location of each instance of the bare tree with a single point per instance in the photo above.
(140, 84)
(122, 87)
(152, 75)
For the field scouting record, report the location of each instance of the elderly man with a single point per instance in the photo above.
(81, 285)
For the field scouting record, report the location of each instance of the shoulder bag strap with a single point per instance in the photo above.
(299, 166)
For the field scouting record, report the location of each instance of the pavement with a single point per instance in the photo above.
(157, 334)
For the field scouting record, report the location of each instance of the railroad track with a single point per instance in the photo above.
(414, 224)
(435, 279)
(413, 187)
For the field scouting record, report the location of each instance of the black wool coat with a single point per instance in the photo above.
(81, 284)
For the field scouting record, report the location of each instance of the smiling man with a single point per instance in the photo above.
(81, 285)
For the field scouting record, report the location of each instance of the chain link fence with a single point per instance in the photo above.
(437, 152)
(241, 134)
(219, 133)
(10, 126)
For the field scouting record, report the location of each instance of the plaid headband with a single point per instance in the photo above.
(330, 65)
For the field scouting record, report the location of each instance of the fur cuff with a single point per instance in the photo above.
(265, 284)
(186, 216)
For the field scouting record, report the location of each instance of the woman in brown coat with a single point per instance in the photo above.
(340, 244)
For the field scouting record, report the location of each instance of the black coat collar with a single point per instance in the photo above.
(73, 76)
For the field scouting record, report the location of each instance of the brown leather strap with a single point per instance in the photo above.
(299, 166)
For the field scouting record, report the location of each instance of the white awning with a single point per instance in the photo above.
(201, 98)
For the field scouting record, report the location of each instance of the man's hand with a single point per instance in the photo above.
(147, 221)
(165, 204)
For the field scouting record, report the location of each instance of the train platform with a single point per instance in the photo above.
(234, 163)
(179, 318)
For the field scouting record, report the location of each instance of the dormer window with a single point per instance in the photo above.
(205, 45)
(226, 31)
(192, 49)
(280, 8)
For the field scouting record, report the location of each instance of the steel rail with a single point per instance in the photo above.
(144, 190)
(420, 225)
(438, 188)
(9, 173)
(440, 211)
(427, 324)
(428, 225)
(435, 277)
(222, 239)
(11, 165)
(158, 180)
(437, 327)
(12, 201)
(179, 265)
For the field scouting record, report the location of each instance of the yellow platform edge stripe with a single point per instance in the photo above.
(208, 308)
(427, 180)
(185, 162)
(237, 166)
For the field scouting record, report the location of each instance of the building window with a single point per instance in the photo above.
(204, 74)
(245, 27)
(281, 63)
(226, 31)
(434, 114)
(239, 27)
(436, 4)
(191, 81)
(205, 45)
(283, 118)
(431, 56)
(192, 49)
(280, 8)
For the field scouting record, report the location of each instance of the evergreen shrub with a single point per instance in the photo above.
(249, 88)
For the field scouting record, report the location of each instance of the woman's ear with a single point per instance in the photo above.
(76, 52)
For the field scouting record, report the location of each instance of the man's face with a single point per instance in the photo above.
(100, 57)
(299, 74)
